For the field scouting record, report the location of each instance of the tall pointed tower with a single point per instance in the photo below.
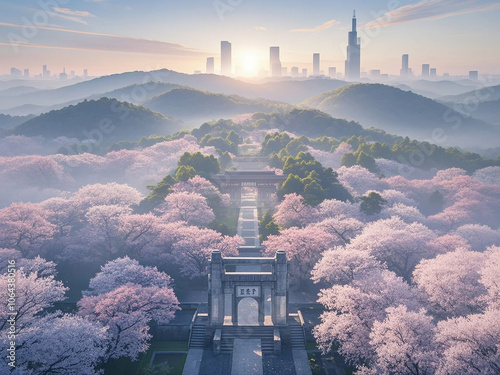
(353, 62)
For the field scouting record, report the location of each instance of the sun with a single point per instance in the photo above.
(250, 64)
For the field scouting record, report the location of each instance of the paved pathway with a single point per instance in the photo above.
(247, 357)
(301, 362)
(193, 362)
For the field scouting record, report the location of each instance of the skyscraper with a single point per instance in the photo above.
(295, 71)
(225, 57)
(332, 71)
(405, 71)
(210, 65)
(353, 62)
(316, 64)
(433, 72)
(425, 70)
(274, 61)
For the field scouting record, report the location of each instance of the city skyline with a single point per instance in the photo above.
(108, 37)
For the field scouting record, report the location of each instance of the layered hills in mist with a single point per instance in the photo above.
(405, 113)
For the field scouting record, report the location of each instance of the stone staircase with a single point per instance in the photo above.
(297, 336)
(266, 334)
(197, 340)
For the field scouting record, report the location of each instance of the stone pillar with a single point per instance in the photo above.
(228, 306)
(268, 320)
(280, 302)
(216, 293)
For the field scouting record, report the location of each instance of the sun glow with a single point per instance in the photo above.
(250, 64)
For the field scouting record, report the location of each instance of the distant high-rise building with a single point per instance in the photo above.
(85, 73)
(425, 70)
(72, 74)
(210, 65)
(225, 57)
(15, 73)
(474, 75)
(294, 71)
(353, 62)
(304, 72)
(433, 72)
(316, 64)
(375, 73)
(26, 73)
(274, 61)
(45, 72)
(63, 75)
(405, 70)
(332, 71)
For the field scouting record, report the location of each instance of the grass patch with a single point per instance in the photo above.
(175, 361)
(125, 366)
(311, 345)
(315, 364)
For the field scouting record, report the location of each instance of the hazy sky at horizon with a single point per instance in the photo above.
(108, 36)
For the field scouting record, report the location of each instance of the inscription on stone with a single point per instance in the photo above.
(248, 291)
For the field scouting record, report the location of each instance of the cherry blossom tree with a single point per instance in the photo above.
(63, 213)
(25, 227)
(398, 244)
(192, 247)
(353, 309)
(189, 207)
(303, 247)
(359, 180)
(488, 175)
(470, 344)
(404, 343)
(122, 271)
(202, 186)
(447, 243)
(111, 194)
(342, 229)
(127, 311)
(34, 294)
(343, 266)
(478, 236)
(490, 276)
(335, 208)
(292, 212)
(451, 282)
(69, 345)
(408, 214)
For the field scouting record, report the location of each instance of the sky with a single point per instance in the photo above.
(113, 36)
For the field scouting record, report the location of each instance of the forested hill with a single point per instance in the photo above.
(403, 112)
(118, 120)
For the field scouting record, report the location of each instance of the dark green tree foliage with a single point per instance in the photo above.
(348, 160)
(224, 160)
(324, 143)
(203, 165)
(307, 177)
(372, 203)
(267, 226)
(274, 142)
(297, 145)
(221, 144)
(276, 162)
(232, 136)
(184, 173)
(366, 161)
(157, 194)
